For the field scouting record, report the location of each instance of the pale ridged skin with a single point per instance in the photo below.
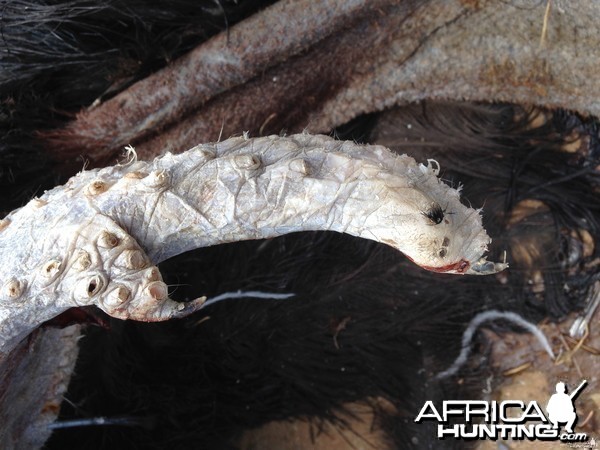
(94, 240)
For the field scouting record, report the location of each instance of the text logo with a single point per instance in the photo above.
(510, 419)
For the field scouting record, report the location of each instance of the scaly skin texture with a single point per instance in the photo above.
(94, 240)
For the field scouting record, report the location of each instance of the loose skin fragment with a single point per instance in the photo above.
(96, 240)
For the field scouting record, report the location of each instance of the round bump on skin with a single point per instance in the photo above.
(94, 286)
(136, 260)
(135, 175)
(201, 154)
(157, 179)
(207, 155)
(13, 289)
(246, 162)
(299, 166)
(90, 287)
(4, 223)
(38, 202)
(118, 296)
(107, 240)
(132, 259)
(83, 261)
(51, 268)
(152, 274)
(157, 290)
(97, 187)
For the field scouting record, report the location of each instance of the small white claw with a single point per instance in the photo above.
(185, 309)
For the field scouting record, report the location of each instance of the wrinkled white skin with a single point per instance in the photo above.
(94, 240)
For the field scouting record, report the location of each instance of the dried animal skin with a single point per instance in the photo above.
(94, 240)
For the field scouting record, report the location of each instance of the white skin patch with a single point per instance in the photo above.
(96, 240)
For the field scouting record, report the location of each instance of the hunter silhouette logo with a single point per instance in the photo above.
(509, 419)
(560, 406)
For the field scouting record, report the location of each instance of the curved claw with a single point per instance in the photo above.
(185, 309)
